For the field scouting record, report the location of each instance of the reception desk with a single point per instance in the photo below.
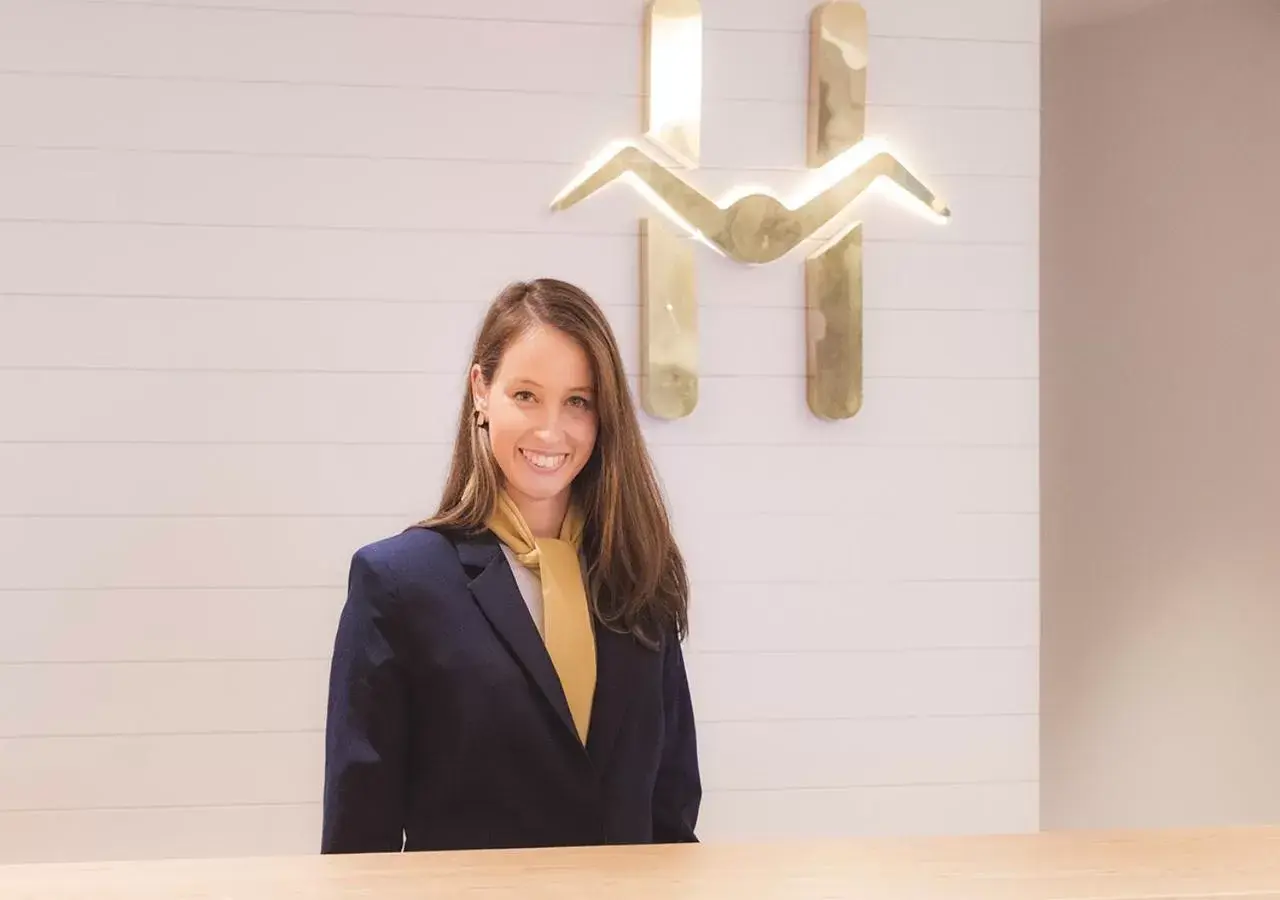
(1062, 866)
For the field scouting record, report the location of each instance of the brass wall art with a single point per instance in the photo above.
(755, 227)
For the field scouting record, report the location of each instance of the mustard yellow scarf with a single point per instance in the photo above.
(567, 629)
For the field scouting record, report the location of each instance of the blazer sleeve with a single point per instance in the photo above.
(677, 793)
(366, 730)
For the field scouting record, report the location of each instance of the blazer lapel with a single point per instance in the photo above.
(620, 658)
(498, 595)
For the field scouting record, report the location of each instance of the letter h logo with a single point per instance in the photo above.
(755, 227)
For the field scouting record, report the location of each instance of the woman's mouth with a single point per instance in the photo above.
(545, 462)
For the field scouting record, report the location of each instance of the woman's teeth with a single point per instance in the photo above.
(544, 461)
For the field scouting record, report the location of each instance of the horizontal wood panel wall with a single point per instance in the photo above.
(245, 244)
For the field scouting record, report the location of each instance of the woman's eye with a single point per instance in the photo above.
(580, 402)
(524, 396)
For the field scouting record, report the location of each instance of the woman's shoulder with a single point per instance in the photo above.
(404, 571)
(410, 543)
(416, 551)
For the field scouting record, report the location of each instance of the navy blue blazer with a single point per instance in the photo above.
(447, 724)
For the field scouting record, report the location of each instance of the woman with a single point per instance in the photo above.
(508, 673)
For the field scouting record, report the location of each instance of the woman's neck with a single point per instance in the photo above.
(544, 517)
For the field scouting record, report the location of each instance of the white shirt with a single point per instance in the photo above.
(530, 586)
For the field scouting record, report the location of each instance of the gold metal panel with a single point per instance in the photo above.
(757, 228)
(672, 121)
(833, 327)
(673, 78)
(837, 80)
(668, 322)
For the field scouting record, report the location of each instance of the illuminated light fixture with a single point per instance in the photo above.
(750, 225)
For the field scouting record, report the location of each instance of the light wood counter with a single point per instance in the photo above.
(1062, 866)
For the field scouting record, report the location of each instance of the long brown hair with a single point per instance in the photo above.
(635, 573)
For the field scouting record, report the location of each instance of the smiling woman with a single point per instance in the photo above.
(538, 406)
(508, 673)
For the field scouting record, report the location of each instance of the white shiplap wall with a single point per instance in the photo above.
(244, 246)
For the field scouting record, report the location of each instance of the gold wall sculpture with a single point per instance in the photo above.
(755, 227)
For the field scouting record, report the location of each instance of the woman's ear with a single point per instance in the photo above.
(479, 391)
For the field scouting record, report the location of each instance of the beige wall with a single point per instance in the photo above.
(245, 245)
(1161, 418)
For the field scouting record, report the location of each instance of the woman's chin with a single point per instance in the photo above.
(538, 485)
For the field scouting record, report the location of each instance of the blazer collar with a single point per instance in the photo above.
(496, 591)
(619, 657)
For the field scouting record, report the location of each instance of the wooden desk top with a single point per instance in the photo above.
(1063, 866)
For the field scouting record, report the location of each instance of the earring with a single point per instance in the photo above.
(480, 419)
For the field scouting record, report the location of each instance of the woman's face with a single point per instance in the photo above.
(542, 419)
